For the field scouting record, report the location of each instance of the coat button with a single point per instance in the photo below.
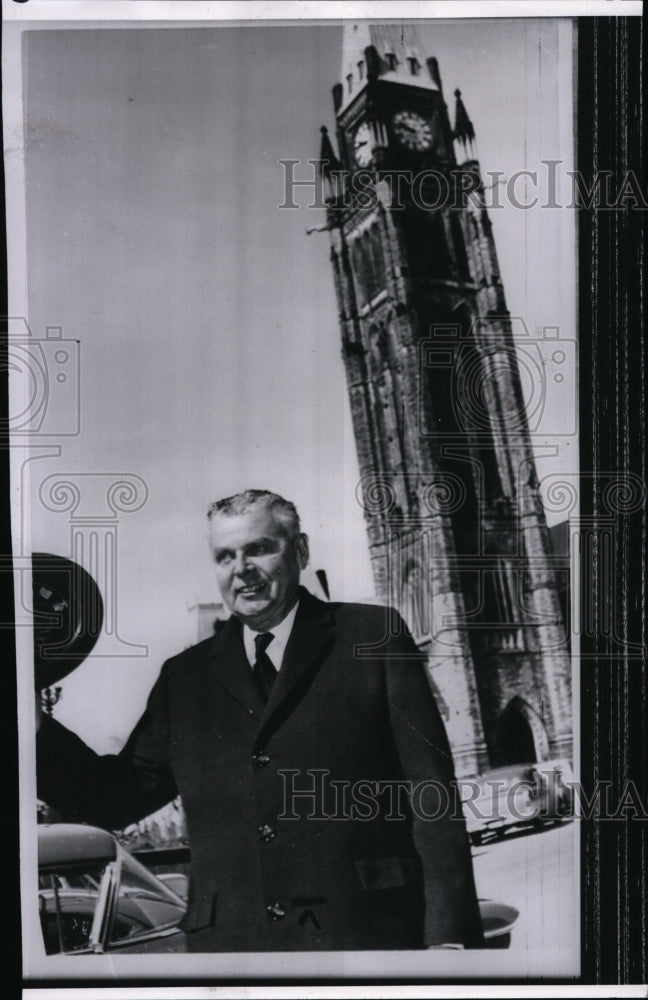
(261, 758)
(276, 911)
(267, 833)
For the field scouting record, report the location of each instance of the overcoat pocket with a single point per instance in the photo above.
(382, 873)
(201, 913)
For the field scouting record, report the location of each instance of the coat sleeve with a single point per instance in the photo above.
(112, 790)
(451, 908)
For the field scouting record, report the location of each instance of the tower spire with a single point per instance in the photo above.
(328, 159)
(329, 166)
(464, 132)
(389, 51)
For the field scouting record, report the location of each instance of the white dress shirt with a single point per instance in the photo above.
(276, 649)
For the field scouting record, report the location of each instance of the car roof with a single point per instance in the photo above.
(74, 844)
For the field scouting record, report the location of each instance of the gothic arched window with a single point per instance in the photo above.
(368, 265)
(374, 247)
(357, 258)
(459, 247)
(416, 602)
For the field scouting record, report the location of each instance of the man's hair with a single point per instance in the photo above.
(284, 512)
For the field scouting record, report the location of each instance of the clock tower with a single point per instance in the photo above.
(456, 528)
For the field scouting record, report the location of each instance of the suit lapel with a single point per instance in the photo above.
(311, 638)
(231, 668)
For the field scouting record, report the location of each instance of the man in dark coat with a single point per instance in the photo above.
(313, 766)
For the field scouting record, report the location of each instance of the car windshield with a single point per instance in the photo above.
(144, 904)
(66, 905)
(68, 898)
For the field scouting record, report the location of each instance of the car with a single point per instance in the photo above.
(94, 897)
(530, 795)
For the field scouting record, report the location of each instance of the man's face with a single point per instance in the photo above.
(257, 566)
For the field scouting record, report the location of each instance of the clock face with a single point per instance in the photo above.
(412, 130)
(362, 145)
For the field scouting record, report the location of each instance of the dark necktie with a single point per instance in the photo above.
(263, 669)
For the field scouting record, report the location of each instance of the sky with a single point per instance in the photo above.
(207, 325)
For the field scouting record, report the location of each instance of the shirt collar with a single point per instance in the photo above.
(276, 649)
